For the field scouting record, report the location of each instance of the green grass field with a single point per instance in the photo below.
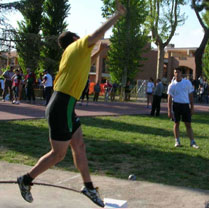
(119, 146)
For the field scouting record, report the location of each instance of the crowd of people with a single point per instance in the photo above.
(201, 90)
(107, 89)
(155, 91)
(17, 86)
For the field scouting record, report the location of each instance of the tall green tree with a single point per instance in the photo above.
(55, 13)
(200, 7)
(164, 17)
(206, 62)
(205, 59)
(128, 40)
(6, 30)
(28, 39)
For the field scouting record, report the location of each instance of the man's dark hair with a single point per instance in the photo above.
(66, 38)
(178, 68)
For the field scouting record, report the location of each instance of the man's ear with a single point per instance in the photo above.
(75, 38)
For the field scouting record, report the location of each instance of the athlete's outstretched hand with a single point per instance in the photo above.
(99, 33)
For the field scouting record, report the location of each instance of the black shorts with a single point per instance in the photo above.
(61, 117)
(181, 111)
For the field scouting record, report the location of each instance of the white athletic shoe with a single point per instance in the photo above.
(177, 144)
(194, 145)
(25, 190)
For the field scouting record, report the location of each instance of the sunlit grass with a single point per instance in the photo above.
(118, 146)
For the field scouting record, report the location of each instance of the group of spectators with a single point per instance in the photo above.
(201, 90)
(16, 86)
(155, 92)
(109, 91)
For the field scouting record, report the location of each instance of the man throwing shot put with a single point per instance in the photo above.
(64, 126)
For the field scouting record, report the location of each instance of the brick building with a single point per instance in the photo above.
(174, 57)
(8, 59)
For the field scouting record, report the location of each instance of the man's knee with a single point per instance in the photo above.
(58, 156)
(188, 125)
(176, 124)
(79, 146)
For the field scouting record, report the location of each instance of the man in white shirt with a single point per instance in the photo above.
(48, 83)
(180, 93)
(157, 95)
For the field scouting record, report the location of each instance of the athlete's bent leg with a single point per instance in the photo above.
(57, 154)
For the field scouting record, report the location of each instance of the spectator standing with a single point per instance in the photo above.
(30, 80)
(127, 91)
(48, 84)
(21, 93)
(200, 80)
(157, 95)
(1, 84)
(206, 89)
(85, 93)
(8, 83)
(16, 83)
(1, 81)
(113, 92)
(97, 90)
(40, 79)
(149, 91)
(180, 93)
(200, 93)
(107, 88)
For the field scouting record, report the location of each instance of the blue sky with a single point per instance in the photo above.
(85, 17)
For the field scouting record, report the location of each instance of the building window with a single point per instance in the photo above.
(93, 69)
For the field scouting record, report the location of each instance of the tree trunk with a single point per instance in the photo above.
(199, 53)
(160, 61)
(123, 84)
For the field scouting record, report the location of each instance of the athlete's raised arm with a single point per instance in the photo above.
(99, 33)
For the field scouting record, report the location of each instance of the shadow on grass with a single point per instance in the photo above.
(123, 126)
(135, 128)
(112, 158)
(202, 118)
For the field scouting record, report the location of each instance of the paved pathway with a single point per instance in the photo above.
(10, 111)
(138, 194)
